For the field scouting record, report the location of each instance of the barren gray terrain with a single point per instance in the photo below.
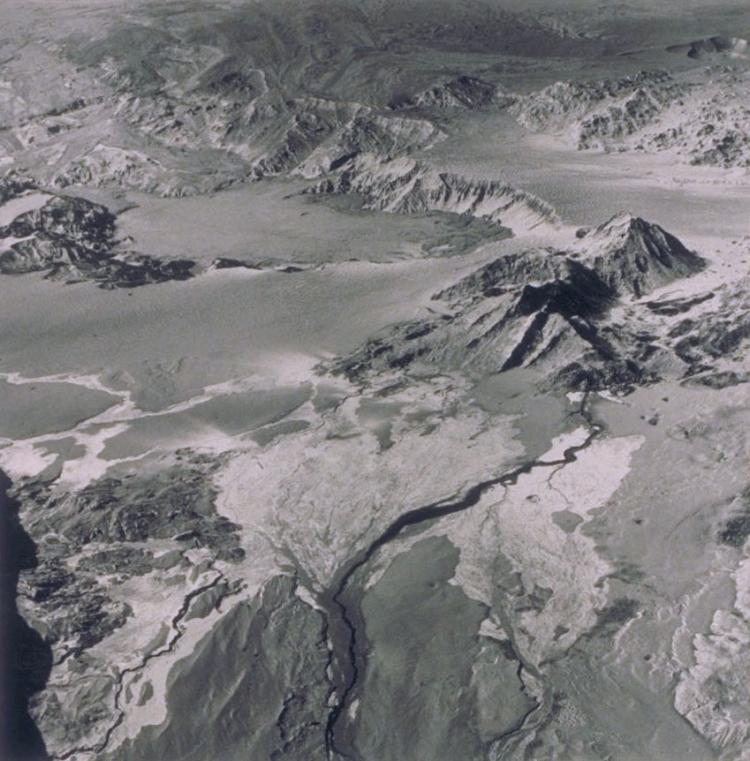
(374, 380)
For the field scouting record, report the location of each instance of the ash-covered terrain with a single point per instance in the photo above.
(374, 380)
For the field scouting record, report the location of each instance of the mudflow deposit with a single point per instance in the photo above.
(374, 380)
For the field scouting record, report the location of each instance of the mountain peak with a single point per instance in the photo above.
(623, 222)
(635, 256)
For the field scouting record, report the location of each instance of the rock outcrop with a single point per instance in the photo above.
(711, 47)
(406, 186)
(462, 93)
(600, 113)
(96, 548)
(70, 238)
(701, 121)
(365, 133)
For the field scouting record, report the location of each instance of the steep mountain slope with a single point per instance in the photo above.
(701, 119)
(711, 128)
(546, 309)
(601, 113)
(406, 186)
(213, 100)
(633, 256)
